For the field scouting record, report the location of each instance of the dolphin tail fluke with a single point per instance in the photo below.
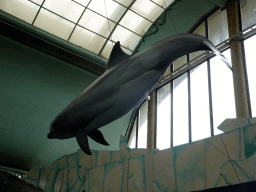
(217, 52)
(82, 140)
(98, 137)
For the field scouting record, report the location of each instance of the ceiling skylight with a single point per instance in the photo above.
(94, 25)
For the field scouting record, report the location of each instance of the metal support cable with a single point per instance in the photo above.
(116, 26)
(171, 19)
(134, 12)
(108, 22)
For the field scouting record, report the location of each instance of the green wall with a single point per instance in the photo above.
(34, 88)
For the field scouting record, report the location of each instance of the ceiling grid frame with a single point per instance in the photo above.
(37, 11)
(116, 26)
(78, 20)
(106, 17)
(157, 4)
(134, 11)
(76, 24)
(134, 30)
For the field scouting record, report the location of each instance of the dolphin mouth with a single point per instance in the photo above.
(51, 136)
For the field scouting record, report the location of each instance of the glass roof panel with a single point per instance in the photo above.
(126, 51)
(38, 1)
(114, 10)
(163, 3)
(108, 48)
(126, 3)
(200, 30)
(218, 27)
(96, 23)
(24, 10)
(83, 2)
(135, 23)
(87, 40)
(147, 9)
(59, 17)
(126, 37)
(54, 24)
(65, 8)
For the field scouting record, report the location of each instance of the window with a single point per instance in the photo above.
(143, 125)
(248, 13)
(132, 141)
(250, 46)
(200, 30)
(163, 135)
(138, 135)
(192, 106)
(218, 27)
(222, 91)
(180, 110)
(200, 108)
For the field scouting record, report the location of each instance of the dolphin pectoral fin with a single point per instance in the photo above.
(82, 140)
(217, 52)
(98, 137)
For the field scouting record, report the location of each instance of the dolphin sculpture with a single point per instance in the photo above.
(124, 85)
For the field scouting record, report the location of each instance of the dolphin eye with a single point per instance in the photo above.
(52, 129)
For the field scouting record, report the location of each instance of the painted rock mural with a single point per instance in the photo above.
(198, 165)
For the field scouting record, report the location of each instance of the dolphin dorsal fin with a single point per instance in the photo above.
(117, 55)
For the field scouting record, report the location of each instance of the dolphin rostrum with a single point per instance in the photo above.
(124, 85)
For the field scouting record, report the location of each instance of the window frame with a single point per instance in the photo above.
(242, 36)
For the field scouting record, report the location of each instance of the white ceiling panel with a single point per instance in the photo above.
(90, 23)
(24, 10)
(126, 3)
(39, 2)
(96, 23)
(83, 2)
(65, 8)
(163, 3)
(54, 24)
(113, 10)
(126, 37)
(107, 50)
(135, 23)
(87, 40)
(147, 9)
(126, 51)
